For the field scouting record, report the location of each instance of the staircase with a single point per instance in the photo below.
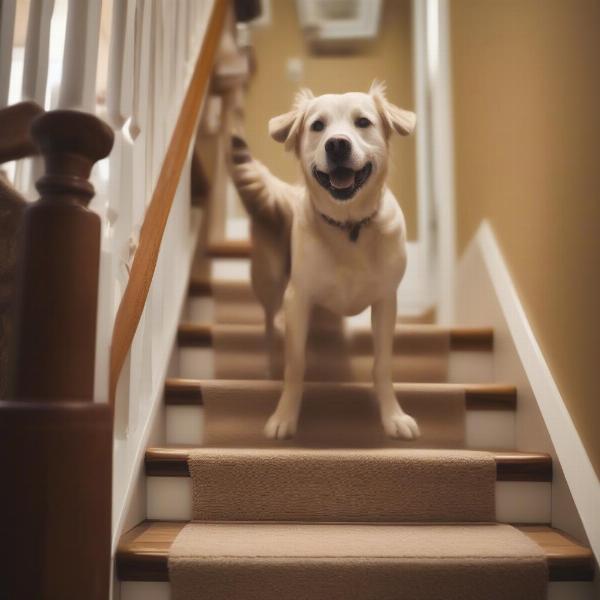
(327, 521)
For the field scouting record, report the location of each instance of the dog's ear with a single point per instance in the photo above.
(393, 117)
(285, 128)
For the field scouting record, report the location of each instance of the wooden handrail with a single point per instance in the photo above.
(151, 234)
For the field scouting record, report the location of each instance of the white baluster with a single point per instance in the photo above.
(120, 65)
(188, 31)
(156, 114)
(35, 67)
(180, 30)
(7, 30)
(141, 55)
(80, 61)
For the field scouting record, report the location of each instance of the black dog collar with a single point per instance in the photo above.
(352, 227)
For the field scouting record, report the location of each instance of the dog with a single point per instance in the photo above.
(338, 241)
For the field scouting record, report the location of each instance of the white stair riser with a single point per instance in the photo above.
(201, 309)
(236, 269)
(170, 499)
(557, 590)
(464, 367)
(145, 590)
(485, 429)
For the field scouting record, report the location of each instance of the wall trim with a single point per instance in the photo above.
(579, 473)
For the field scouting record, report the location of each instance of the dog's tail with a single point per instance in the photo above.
(265, 197)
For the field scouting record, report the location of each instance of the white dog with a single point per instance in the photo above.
(337, 242)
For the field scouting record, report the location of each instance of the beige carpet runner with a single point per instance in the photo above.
(333, 415)
(235, 302)
(341, 512)
(275, 561)
(334, 353)
(342, 485)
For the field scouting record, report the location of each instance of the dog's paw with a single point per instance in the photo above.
(280, 427)
(240, 153)
(401, 426)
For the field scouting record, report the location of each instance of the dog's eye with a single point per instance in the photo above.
(317, 126)
(362, 122)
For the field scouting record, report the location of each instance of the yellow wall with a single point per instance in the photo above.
(526, 77)
(271, 92)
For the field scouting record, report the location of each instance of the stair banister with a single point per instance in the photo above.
(56, 431)
(133, 301)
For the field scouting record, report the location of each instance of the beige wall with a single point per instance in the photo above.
(526, 76)
(271, 92)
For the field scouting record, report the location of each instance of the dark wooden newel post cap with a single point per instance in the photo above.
(71, 142)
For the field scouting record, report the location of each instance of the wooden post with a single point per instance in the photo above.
(57, 295)
(55, 442)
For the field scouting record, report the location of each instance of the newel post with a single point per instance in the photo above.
(57, 295)
(55, 441)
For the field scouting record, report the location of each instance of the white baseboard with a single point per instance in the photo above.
(486, 295)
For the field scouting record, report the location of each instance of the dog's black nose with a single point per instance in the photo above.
(337, 149)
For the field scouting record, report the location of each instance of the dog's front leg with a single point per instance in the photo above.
(396, 422)
(284, 421)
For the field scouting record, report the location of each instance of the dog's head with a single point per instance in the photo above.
(342, 140)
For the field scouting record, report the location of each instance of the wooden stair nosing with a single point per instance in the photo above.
(143, 552)
(187, 392)
(461, 338)
(229, 249)
(510, 466)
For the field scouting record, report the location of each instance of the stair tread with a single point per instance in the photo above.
(496, 396)
(510, 465)
(143, 552)
(461, 338)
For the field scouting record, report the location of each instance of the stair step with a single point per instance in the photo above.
(229, 249)
(510, 466)
(188, 392)
(461, 338)
(489, 421)
(419, 353)
(234, 301)
(143, 552)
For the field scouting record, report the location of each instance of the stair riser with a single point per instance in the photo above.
(485, 429)
(464, 366)
(201, 309)
(170, 499)
(237, 269)
(557, 590)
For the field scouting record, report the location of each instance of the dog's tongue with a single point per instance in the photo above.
(341, 177)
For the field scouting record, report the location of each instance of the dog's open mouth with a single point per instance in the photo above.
(342, 183)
